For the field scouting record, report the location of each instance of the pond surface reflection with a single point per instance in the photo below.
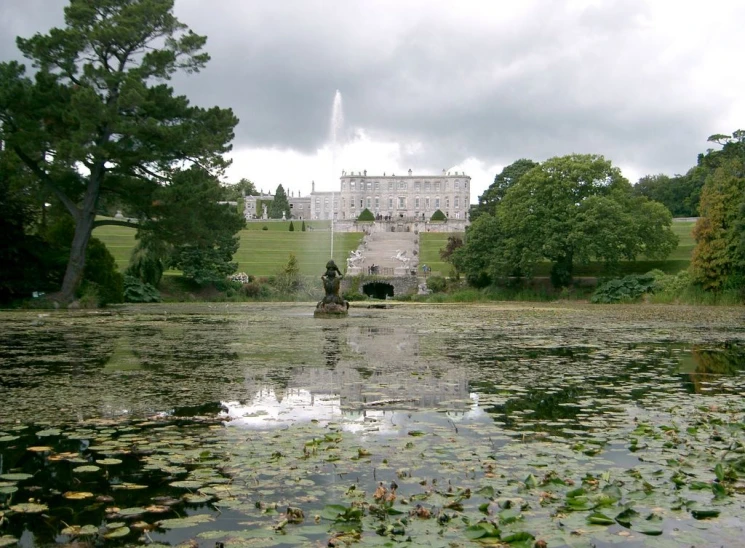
(565, 423)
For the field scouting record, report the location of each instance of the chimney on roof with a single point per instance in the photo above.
(409, 173)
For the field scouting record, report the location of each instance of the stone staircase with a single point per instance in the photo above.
(380, 249)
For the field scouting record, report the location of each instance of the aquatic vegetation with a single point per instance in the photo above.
(561, 425)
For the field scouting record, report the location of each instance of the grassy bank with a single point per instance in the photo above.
(261, 252)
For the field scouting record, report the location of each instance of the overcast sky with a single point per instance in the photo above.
(466, 86)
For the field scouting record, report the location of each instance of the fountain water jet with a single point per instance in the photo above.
(337, 124)
(333, 304)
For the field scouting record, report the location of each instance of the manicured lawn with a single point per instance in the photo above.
(264, 252)
(261, 252)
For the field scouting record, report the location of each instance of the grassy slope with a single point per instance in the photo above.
(261, 252)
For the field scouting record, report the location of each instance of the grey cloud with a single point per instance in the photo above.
(466, 83)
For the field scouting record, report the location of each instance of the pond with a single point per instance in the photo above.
(452, 425)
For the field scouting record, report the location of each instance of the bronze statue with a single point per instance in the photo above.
(332, 302)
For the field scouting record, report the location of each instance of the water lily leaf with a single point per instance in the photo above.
(8, 489)
(49, 432)
(39, 449)
(187, 484)
(29, 508)
(705, 513)
(9, 438)
(16, 477)
(128, 486)
(117, 533)
(128, 512)
(89, 468)
(80, 531)
(519, 537)
(77, 495)
(7, 540)
(108, 462)
(416, 433)
(182, 523)
(486, 491)
(194, 498)
(598, 518)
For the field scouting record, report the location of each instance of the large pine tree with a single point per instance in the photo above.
(97, 119)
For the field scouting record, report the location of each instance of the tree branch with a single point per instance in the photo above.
(47, 180)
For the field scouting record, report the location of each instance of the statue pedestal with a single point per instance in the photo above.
(331, 310)
(354, 271)
(401, 271)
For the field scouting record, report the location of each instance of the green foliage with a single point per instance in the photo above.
(97, 97)
(302, 227)
(102, 273)
(437, 284)
(201, 233)
(453, 243)
(264, 227)
(148, 261)
(505, 179)
(288, 280)
(626, 289)
(292, 227)
(280, 205)
(137, 291)
(438, 216)
(571, 209)
(717, 258)
(679, 194)
(366, 215)
(235, 192)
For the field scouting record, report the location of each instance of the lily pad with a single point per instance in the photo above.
(80, 531)
(108, 462)
(182, 523)
(120, 532)
(78, 495)
(89, 468)
(16, 477)
(187, 484)
(7, 540)
(29, 508)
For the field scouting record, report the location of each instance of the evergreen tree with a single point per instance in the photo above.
(292, 227)
(279, 205)
(715, 259)
(98, 100)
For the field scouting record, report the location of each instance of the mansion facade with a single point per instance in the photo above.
(389, 197)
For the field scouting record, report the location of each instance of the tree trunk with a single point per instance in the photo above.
(83, 228)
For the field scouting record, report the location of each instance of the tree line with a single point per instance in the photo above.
(579, 208)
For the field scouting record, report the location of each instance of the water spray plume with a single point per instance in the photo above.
(335, 136)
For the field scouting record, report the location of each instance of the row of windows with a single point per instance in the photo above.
(403, 185)
(367, 203)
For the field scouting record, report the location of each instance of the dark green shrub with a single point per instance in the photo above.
(147, 261)
(302, 227)
(628, 288)
(354, 296)
(366, 215)
(439, 216)
(437, 284)
(264, 227)
(137, 291)
(101, 270)
(292, 227)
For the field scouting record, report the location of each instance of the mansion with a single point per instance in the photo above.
(389, 197)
